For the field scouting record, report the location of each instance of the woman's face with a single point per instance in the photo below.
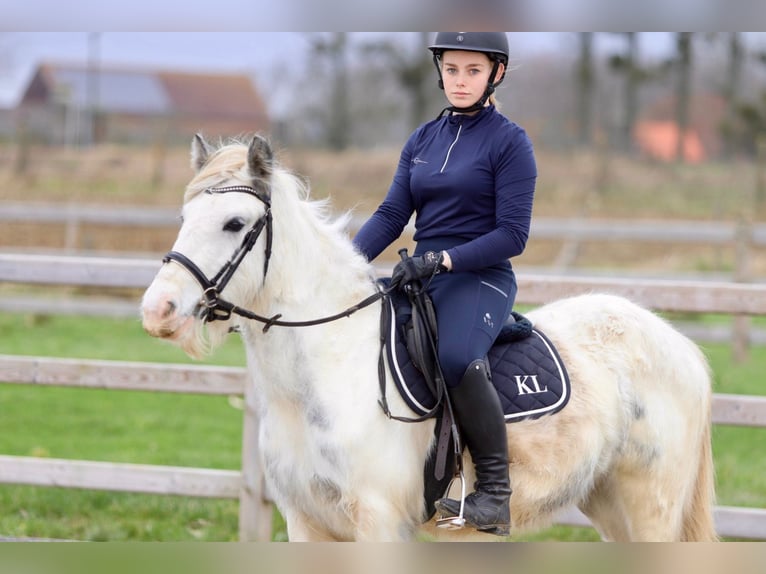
(465, 76)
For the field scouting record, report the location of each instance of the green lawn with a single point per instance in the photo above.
(115, 426)
(204, 431)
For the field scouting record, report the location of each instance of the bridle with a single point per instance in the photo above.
(215, 308)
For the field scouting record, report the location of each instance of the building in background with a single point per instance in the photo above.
(659, 140)
(656, 133)
(80, 105)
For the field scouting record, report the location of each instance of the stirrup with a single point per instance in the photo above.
(455, 522)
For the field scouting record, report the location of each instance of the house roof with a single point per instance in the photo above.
(115, 91)
(208, 94)
(149, 92)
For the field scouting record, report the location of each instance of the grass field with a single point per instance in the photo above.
(94, 424)
(187, 430)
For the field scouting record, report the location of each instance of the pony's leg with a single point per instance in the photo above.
(607, 512)
(300, 529)
(632, 506)
(380, 521)
(655, 476)
(655, 509)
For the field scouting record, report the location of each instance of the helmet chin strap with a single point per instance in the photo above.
(480, 103)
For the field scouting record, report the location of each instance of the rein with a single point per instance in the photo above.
(269, 322)
(214, 308)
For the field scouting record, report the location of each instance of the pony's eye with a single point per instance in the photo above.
(234, 225)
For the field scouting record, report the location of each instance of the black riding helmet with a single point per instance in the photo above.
(493, 44)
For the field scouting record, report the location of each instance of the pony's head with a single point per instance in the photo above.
(222, 249)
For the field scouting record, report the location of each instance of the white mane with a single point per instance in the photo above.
(291, 200)
(312, 256)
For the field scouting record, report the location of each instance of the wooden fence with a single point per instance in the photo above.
(744, 237)
(247, 484)
(579, 229)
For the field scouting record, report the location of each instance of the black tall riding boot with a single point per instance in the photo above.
(482, 423)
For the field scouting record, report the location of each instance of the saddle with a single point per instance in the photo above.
(526, 370)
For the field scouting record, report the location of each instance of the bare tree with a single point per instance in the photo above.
(585, 81)
(335, 50)
(731, 90)
(415, 73)
(21, 161)
(683, 88)
(627, 64)
(747, 129)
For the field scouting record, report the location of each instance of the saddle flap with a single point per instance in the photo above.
(530, 377)
(419, 329)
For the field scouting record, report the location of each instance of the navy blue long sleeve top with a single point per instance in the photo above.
(469, 179)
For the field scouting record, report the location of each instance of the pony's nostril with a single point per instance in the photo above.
(170, 308)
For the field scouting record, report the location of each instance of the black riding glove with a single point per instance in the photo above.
(418, 267)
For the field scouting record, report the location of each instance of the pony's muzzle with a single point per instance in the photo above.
(160, 318)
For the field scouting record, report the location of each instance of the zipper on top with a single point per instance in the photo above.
(449, 151)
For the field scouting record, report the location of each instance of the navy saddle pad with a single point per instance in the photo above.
(530, 377)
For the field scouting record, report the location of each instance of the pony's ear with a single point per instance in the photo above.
(200, 151)
(260, 158)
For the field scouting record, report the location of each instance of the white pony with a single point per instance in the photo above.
(631, 450)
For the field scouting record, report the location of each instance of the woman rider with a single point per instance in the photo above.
(470, 178)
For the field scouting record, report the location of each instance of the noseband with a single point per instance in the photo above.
(213, 307)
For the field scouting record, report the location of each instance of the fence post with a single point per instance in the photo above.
(750, 203)
(71, 230)
(21, 164)
(741, 328)
(255, 512)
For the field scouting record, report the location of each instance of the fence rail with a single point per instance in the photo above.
(660, 294)
(79, 213)
(744, 236)
(587, 229)
(247, 485)
(728, 409)
(120, 477)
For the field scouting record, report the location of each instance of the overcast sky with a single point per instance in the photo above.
(272, 56)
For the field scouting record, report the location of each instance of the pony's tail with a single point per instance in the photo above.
(698, 524)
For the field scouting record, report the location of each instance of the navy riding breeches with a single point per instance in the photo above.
(471, 307)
